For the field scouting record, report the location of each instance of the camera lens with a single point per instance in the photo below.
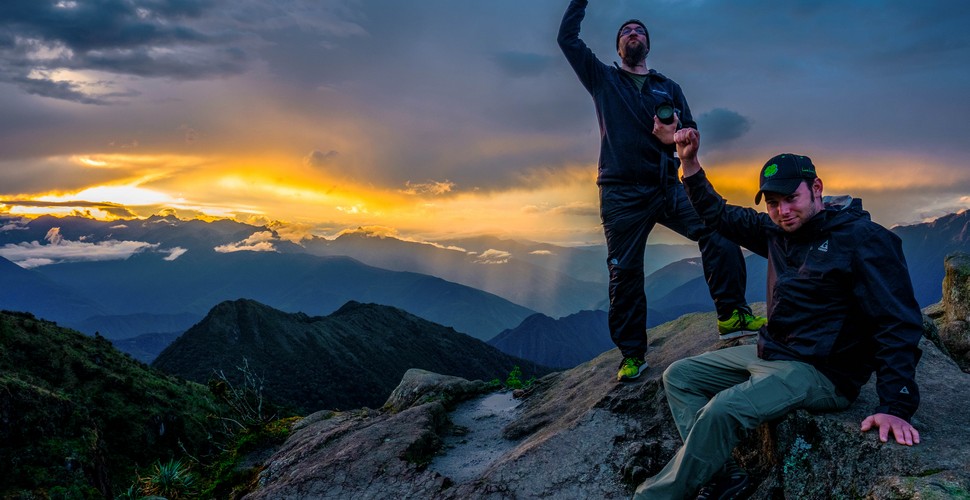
(665, 112)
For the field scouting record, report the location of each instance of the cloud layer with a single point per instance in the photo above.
(359, 112)
(58, 250)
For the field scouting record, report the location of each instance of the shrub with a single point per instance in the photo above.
(245, 400)
(171, 480)
(514, 380)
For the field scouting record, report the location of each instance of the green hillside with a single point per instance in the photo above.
(78, 418)
(352, 358)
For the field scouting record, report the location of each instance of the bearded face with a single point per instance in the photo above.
(632, 44)
(633, 51)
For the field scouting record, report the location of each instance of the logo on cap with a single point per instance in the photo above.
(771, 170)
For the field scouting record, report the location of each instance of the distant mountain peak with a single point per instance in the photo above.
(171, 219)
(353, 306)
(234, 309)
(560, 343)
(306, 361)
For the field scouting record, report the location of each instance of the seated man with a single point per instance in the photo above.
(840, 306)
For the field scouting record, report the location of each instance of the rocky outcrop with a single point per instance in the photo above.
(579, 434)
(421, 386)
(367, 453)
(952, 315)
(826, 456)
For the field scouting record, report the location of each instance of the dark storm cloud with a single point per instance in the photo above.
(184, 65)
(65, 90)
(721, 126)
(87, 25)
(319, 159)
(150, 38)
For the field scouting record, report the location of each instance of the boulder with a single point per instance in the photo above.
(826, 456)
(358, 454)
(953, 312)
(421, 386)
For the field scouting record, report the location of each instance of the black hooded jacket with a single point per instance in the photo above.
(629, 152)
(839, 295)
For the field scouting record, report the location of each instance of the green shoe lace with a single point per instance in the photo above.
(740, 321)
(631, 368)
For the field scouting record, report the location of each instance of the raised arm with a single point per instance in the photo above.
(688, 142)
(744, 226)
(580, 57)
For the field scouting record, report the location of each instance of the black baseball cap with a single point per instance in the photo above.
(784, 173)
(633, 21)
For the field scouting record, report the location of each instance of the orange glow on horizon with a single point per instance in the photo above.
(558, 204)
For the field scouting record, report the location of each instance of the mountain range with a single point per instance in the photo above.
(562, 343)
(550, 279)
(79, 275)
(926, 245)
(186, 267)
(352, 358)
(76, 414)
(28, 290)
(296, 282)
(686, 289)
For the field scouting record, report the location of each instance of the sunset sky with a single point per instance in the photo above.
(435, 119)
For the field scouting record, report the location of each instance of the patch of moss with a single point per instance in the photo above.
(230, 476)
(933, 489)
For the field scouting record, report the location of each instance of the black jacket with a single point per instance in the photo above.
(840, 296)
(629, 152)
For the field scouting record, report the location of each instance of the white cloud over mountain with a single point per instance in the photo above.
(57, 250)
(262, 241)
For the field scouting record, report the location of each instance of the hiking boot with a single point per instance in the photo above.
(741, 323)
(631, 368)
(731, 483)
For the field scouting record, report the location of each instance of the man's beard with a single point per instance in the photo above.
(634, 54)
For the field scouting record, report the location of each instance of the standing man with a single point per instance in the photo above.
(639, 187)
(840, 306)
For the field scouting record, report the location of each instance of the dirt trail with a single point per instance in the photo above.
(478, 442)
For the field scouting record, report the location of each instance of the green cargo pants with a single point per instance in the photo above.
(714, 396)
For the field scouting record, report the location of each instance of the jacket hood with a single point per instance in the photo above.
(843, 202)
(844, 206)
(839, 210)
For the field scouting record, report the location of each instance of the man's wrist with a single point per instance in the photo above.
(690, 166)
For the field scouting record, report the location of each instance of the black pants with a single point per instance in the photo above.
(629, 213)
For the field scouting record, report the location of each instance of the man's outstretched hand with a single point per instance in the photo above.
(905, 434)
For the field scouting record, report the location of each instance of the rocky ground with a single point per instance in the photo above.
(580, 434)
(475, 441)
